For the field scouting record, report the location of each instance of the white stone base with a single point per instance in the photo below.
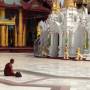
(87, 56)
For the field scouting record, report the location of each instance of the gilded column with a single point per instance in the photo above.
(6, 35)
(3, 39)
(20, 33)
(60, 44)
(16, 37)
(2, 14)
(24, 35)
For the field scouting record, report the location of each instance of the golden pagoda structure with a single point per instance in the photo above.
(56, 6)
(71, 40)
(69, 3)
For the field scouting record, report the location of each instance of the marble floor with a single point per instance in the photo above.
(45, 74)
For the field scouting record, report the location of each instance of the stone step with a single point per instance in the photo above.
(16, 49)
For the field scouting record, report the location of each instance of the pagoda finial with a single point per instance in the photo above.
(69, 3)
(84, 1)
(56, 6)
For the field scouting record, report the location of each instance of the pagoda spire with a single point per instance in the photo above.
(85, 1)
(69, 3)
(56, 6)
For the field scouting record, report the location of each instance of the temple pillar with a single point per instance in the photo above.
(6, 35)
(2, 15)
(53, 50)
(3, 38)
(24, 35)
(16, 37)
(51, 44)
(60, 53)
(73, 45)
(20, 32)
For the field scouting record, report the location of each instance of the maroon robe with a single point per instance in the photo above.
(8, 70)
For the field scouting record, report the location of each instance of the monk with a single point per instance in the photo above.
(8, 70)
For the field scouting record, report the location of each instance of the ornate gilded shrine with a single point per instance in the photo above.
(18, 22)
(65, 33)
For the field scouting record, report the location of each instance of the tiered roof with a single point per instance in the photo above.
(32, 5)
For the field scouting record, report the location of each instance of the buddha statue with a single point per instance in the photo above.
(66, 53)
(79, 56)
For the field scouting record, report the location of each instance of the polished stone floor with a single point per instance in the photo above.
(45, 74)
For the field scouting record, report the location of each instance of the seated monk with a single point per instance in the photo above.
(8, 70)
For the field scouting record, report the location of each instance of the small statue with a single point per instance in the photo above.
(66, 54)
(79, 56)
